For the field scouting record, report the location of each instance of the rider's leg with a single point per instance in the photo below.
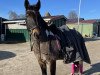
(72, 68)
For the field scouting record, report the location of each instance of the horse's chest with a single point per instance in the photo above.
(44, 47)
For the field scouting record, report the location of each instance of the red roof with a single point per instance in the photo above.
(88, 21)
(82, 21)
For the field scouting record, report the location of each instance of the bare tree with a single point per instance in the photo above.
(72, 15)
(13, 15)
(21, 16)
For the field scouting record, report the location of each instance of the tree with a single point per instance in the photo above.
(21, 16)
(72, 15)
(13, 15)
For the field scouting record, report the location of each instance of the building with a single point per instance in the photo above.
(88, 28)
(2, 29)
(16, 30)
(58, 20)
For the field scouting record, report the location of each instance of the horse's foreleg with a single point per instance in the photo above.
(43, 67)
(53, 67)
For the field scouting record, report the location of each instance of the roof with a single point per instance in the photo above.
(70, 21)
(22, 21)
(3, 19)
(14, 21)
(88, 21)
(54, 17)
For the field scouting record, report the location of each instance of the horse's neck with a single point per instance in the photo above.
(43, 27)
(42, 23)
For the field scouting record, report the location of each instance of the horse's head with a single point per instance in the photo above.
(32, 13)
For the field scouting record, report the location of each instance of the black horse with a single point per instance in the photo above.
(48, 47)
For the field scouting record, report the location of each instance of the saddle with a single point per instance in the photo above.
(59, 33)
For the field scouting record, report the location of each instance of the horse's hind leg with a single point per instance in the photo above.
(53, 67)
(43, 67)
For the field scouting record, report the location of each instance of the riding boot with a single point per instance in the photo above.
(81, 68)
(75, 68)
(72, 69)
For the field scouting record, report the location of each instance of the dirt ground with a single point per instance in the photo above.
(17, 59)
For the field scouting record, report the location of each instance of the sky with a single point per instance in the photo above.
(89, 8)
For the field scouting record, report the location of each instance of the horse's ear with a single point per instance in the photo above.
(38, 5)
(26, 4)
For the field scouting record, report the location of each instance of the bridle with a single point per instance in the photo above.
(36, 13)
(33, 29)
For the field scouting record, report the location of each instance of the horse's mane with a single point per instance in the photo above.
(41, 22)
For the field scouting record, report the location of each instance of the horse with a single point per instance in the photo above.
(46, 46)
